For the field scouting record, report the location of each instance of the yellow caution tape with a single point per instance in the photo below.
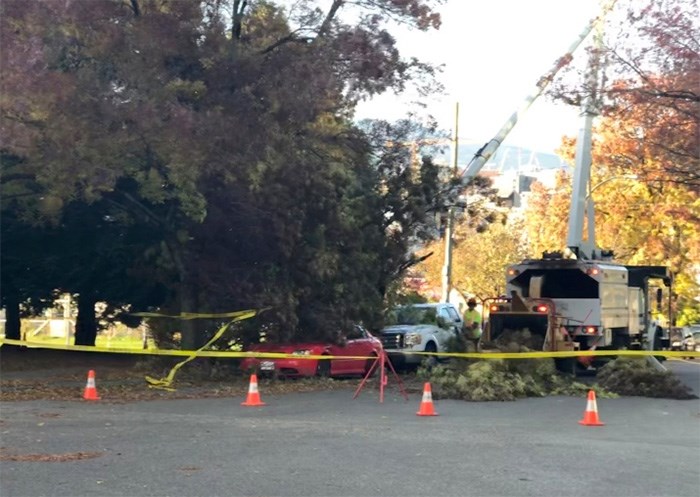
(559, 354)
(280, 355)
(172, 352)
(166, 383)
(195, 315)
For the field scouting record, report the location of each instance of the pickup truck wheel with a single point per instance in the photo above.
(431, 360)
(323, 368)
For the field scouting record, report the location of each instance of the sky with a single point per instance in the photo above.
(493, 53)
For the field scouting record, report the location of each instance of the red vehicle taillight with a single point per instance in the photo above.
(541, 308)
(590, 330)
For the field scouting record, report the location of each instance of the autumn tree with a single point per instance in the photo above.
(648, 128)
(547, 214)
(480, 257)
(655, 83)
(105, 123)
(229, 138)
(484, 241)
(651, 62)
(644, 222)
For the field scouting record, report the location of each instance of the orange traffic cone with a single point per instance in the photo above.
(253, 394)
(90, 392)
(590, 416)
(426, 404)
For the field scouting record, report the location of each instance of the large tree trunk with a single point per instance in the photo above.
(237, 19)
(190, 329)
(13, 324)
(192, 339)
(86, 323)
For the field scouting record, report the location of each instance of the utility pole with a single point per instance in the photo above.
(447, 268)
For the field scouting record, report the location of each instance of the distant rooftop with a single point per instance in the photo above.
(507, 158)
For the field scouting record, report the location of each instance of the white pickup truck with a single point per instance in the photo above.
(419, 328)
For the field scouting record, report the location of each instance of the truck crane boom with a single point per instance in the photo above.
(582, 169)
(489, 149)
(581, 303)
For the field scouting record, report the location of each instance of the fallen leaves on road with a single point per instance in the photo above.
(68, 456)
(37, 374)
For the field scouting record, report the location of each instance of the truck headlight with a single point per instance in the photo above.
(302, 352)
(412, 339)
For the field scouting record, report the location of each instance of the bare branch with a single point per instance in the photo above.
(290, 38)
(330, 17)
(412, 262)
(145, 211)
(6, 178)
(136, 8)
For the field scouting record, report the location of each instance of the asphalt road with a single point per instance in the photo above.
(329, 444)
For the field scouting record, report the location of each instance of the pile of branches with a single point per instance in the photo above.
(502, 380)
(634, 376)
(483, 380)
(516, 341)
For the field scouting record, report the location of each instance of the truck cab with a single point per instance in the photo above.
(419, 328)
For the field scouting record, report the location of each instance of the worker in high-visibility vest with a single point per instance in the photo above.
(472, 324)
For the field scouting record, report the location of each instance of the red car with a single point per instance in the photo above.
(357, 343)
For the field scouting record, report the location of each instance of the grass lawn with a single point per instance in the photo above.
(123, 342)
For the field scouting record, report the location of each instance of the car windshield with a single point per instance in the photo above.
(696, 336)
(413, 315)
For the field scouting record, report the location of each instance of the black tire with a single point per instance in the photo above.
(323, 368)
(658, 343)
(431, 360)
(566, 365)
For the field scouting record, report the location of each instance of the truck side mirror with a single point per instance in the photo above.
(659, 295)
